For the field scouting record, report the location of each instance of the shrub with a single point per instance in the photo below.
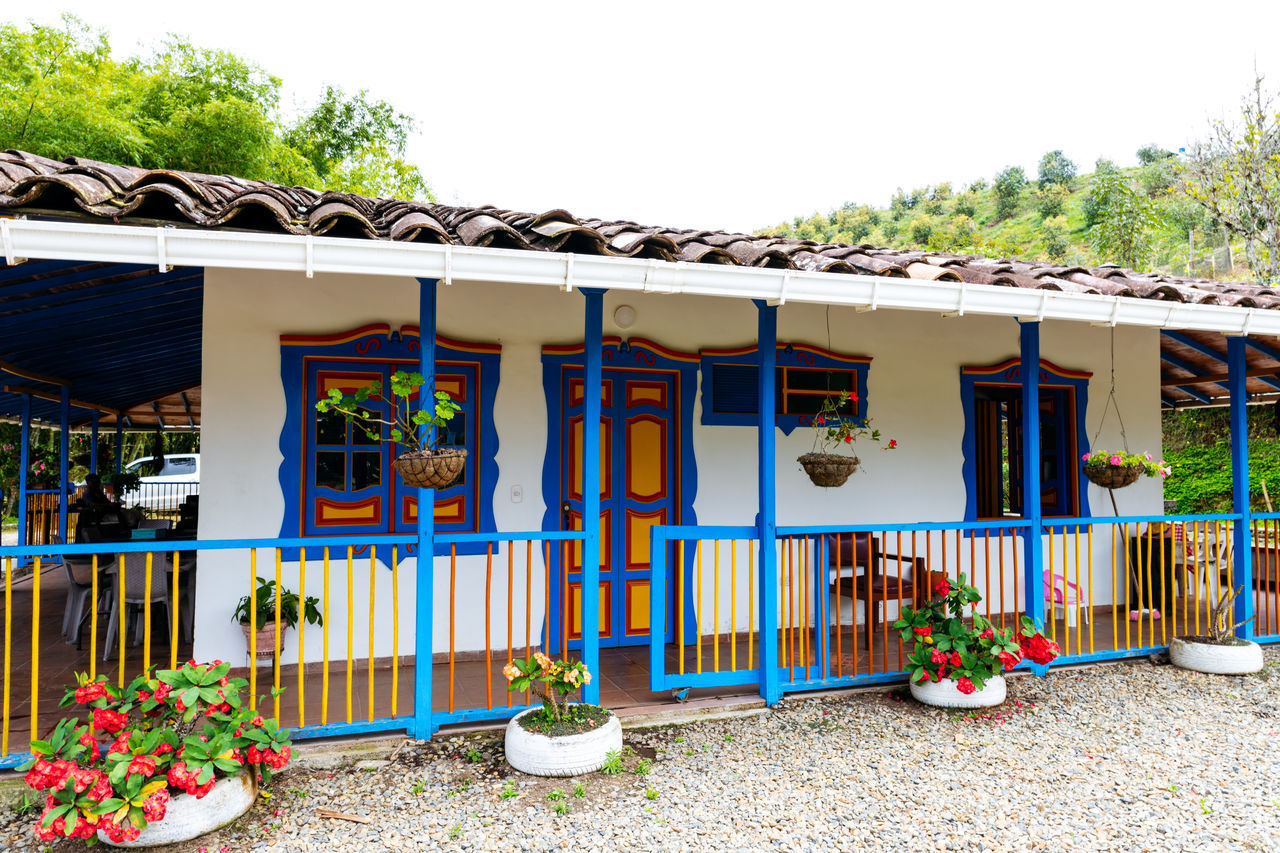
(1008, 187)
(1055, 169)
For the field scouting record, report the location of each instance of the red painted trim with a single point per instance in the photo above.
(452, 343)
(606, 608)
(661, 387)
(614, 340)
(809, 348)
(326, 503)
(335, 337)
(1045, 364)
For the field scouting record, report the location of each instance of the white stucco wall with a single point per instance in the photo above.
(913, 390)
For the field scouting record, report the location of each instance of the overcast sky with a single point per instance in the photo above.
(738, 115)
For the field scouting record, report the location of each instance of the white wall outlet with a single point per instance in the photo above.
(517, 493)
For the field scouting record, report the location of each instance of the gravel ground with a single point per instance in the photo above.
(1115, 758)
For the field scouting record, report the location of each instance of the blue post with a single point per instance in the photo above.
(425, 603)
(1032, 542)
(119, 444)
(93, 444)
(1243, 532)
(64, 466)
(24, 464)
(591, 380)
(767, 343)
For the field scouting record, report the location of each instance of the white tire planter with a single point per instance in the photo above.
(946, 694)
(1215, 659)
(565, 755)
(187, 818)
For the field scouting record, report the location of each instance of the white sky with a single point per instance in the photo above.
(740, 115)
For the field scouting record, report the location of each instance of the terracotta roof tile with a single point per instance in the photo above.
(87, 188)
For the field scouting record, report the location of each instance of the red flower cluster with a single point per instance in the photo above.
(155, 806)
(270, 757)
(184, 780)
(942, 587)
(1009, 659)
(965, 686)
(91, 692)
(1039, 649)
(109, 720)
(924, 631)
(144, 764)
(49, 774)
(121, 833)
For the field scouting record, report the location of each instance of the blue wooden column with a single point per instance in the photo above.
(592, 378)
(93, 443)
(1242, 541)
(24, 464)
(119, 443)
(1032, 541)
(766, 460)
(425, 569)
(64, 460)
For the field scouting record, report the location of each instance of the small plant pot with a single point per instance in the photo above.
(187, 818)
(266, 641)
(828, 469)
(1215, 658)
(946, 694)
(561, 755)
(431, 469)
(1112, 476)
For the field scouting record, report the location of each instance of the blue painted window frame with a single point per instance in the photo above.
(789, 356)
(1074, 388)
(376, 349)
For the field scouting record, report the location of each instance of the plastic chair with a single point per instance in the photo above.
(135, 599)
(1066, 599)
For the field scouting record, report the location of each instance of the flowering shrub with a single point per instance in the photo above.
(969, 651)
(1123, 459)
(170, 732)
(561, 678)
(833, 431)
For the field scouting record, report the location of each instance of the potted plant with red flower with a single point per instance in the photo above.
(832, 458)
(957, 660)
(172, 756)
(559, 738)
(423, 462)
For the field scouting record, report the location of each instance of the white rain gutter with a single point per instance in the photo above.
(191, 247)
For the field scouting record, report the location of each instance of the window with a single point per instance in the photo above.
(805, 376)
(338, 478)
(994, 421)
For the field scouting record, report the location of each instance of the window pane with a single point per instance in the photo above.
(331, 470)
(801, 379)
(366, 470)
(734, 388)
(179, 466)
(360, 430)
(331, 428)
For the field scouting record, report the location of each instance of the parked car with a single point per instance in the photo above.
(164, 492)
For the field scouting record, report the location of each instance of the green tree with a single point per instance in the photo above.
(1127, 222)
(1008, 187)
(1053, 198)
(1153, 153)
(1053, 232)
(1056, 168)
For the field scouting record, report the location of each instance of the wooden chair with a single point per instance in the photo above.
(879, 580)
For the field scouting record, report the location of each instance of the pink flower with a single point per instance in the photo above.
(1084, 458)
(1115, 459)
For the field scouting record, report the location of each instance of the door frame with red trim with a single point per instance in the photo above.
(662, 372)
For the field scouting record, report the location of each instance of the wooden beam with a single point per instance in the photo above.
(22, 372)
(55, 398)
(1213, 378)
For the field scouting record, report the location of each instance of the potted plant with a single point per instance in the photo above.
(171, 757)
(833, 432)
(425, 463)
(121, 482)
(1115, 469)
(1221, 652)
(958, 661)
(264, 604)
(558, 738)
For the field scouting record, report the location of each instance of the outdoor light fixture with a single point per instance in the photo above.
(625, 346)
(624, 316)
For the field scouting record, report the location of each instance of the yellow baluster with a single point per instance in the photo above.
(697, 610)
(715, 624)
(277, 661)
(351, 618)
(324, 677)
(35, 649)
(302, 637)
(146, 615)
(751, 606)
(253, 628)
(395, 628)
(93, 624)
(120, 618)
(8, 645)
(679, 573)
(733, 604)
(175, 599)
(373, 565)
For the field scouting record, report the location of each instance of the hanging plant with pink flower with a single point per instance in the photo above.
(1115, 469)
(949, 643)
(833, 457)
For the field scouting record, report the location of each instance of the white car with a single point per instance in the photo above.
(164, 492)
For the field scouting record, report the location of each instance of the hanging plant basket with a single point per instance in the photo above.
(828, 469)
(428, 469)
(1112, 476)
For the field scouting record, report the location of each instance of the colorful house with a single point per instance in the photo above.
(623, 475)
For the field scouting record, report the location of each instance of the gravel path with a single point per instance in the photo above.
(1116, 758)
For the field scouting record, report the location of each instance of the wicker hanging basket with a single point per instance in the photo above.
(1113, 476)
(828, 469)
(427, 469)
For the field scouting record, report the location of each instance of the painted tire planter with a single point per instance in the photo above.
(1215, 659)
(563, 755)
(187, 818)
(431, 469)
(828, 469)
(945, 694)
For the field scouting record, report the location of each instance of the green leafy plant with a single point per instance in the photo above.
(418, 787)
(555, 794)
(644, 768)
(265, 605)
(651, 793)
(560, 808)
(123, 481)
(579, 791)
(612, 763)
(968, 649)
(833, 430)
(509, 791)
(405, 422)
(474, 756)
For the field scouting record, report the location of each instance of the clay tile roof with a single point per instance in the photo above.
(77, 187)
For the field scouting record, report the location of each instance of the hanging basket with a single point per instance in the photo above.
(431, 469)
(1112, 476)
(828, 469)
